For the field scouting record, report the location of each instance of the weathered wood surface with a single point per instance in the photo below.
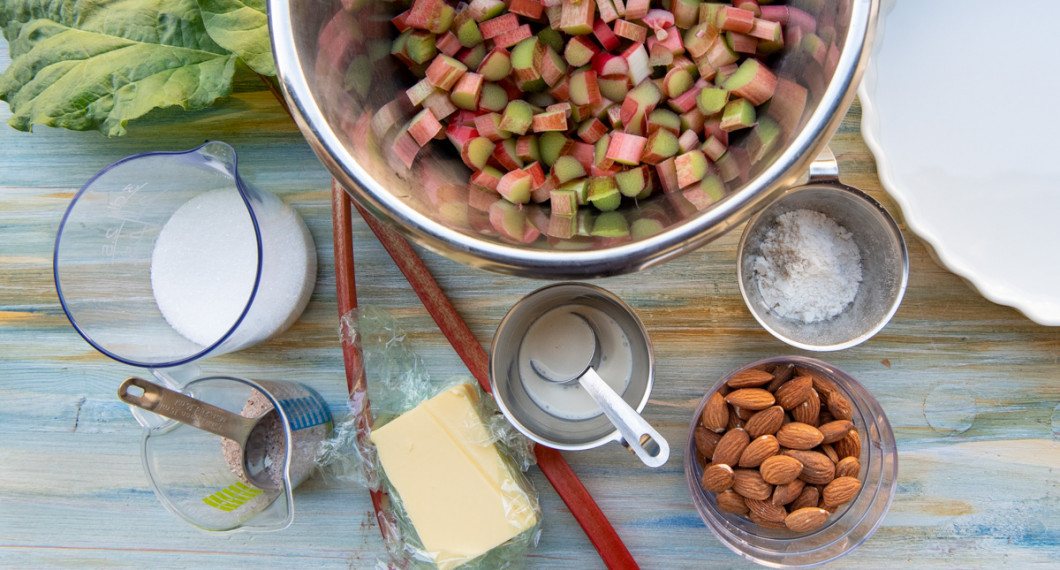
(971, 387)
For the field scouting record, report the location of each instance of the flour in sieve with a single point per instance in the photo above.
(809, 268)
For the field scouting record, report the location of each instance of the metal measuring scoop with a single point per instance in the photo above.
(250, 434)
(579, 363)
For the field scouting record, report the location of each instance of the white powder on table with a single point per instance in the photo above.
(809, 268)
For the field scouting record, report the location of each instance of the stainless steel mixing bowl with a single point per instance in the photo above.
(337, 75)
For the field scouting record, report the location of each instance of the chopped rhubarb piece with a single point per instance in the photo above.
(563, 202)
(401, 21)
(419, 91)
(580, 51)
(638, 104)
(659, 21)
(500, 25)
(424, 126)
(591, 130)
(762, 138)
(510, 38)
(477, 152)
(686, 101)
(466, 29)
(608, 12)
(488, 178)
(448, 44)
(493, 99)
(419, 46)
(434, 16)
(604, 194)
(713, 129)
(664, 119)
(637, 58)
(662, 144)
(567, 168)
(604, 35)
(752, 81)
(688, 141)
(488, 125)
(735, 19)
(676, 82)
(548, 62)
(667, 173)
(541, 193)
(526, 75)
(550, 121)
(553, 145)
(698, 38)
(481, 10)
(526, 148)
(584, 152)
(725, 72)
(636, 33)
(459, 135)
(517, 117)
(635, 182)
(532, 9)
(711, 100)
(583, 88)
(577, 17)
(693, 120)
(466, 92)
(537, 174)
(691, 167)
(496, 65)
(767, 30)
(775, 13)
(637, 9)
(580, 188)
(738, 114)
(713, 147)
(505, 155)
(626, 148)
(472, 56)
(706, 193)
(445, 71)
(686, 13)
(439, 104)
(741, 43)
(751, 5)
(515, 186)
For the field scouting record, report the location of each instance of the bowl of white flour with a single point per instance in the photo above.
(824, 267)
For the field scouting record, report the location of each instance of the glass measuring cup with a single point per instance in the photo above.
(164, 258)
(195, 474)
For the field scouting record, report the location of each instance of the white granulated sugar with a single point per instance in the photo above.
(809, 268)
(205, 261)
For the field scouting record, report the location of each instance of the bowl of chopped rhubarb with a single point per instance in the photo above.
(568, 138)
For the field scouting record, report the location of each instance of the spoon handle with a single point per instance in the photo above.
(184, 409)
(653, 451)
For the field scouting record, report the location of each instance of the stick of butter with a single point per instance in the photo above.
(457, 490)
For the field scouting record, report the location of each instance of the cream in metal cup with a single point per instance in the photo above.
(564, 416)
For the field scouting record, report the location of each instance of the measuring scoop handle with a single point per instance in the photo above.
(653, 451)
(177, 406)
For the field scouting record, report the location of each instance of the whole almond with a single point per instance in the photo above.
(805, 519)
(849, 446)
(743, 413)
(781, 374)
(758, 450)
(808, 412)
(848, 467)
(784, 494)
(840, 407)
(780, 469)
(765, 422)
(797, 435)
(835, 430)
(735, 421)
(715, 414)
(828, 450)
(731, 502)
(706, 441)
(817, 469)
(749, 484)
(764, 523)
(717, 478)
(840, 491)
(825, 387)
(809, 497)
(730, 447)
(794, 392)
(766, 510)
(750, 398)
(750, 378)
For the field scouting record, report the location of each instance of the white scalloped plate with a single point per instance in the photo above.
(961, 108)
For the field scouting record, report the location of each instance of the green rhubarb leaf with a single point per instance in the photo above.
(97, 64)
(241, 27)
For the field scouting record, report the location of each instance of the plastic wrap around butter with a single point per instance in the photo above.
(460, 495)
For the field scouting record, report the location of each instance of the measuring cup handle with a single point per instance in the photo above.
(630, 424)
(176, 406)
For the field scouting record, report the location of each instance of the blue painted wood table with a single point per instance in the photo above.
(971, 387)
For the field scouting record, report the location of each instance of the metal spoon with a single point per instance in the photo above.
(249, 433)
(578, 364)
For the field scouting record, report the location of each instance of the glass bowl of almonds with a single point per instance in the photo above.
(791, 462)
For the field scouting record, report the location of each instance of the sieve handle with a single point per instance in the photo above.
(185, 409)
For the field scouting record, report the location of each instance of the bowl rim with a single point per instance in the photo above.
(636, 255)
(891, 226)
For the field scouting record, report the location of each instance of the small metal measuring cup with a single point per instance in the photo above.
(514, 378)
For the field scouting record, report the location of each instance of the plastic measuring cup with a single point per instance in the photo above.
(164, 258)
(196, 474)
